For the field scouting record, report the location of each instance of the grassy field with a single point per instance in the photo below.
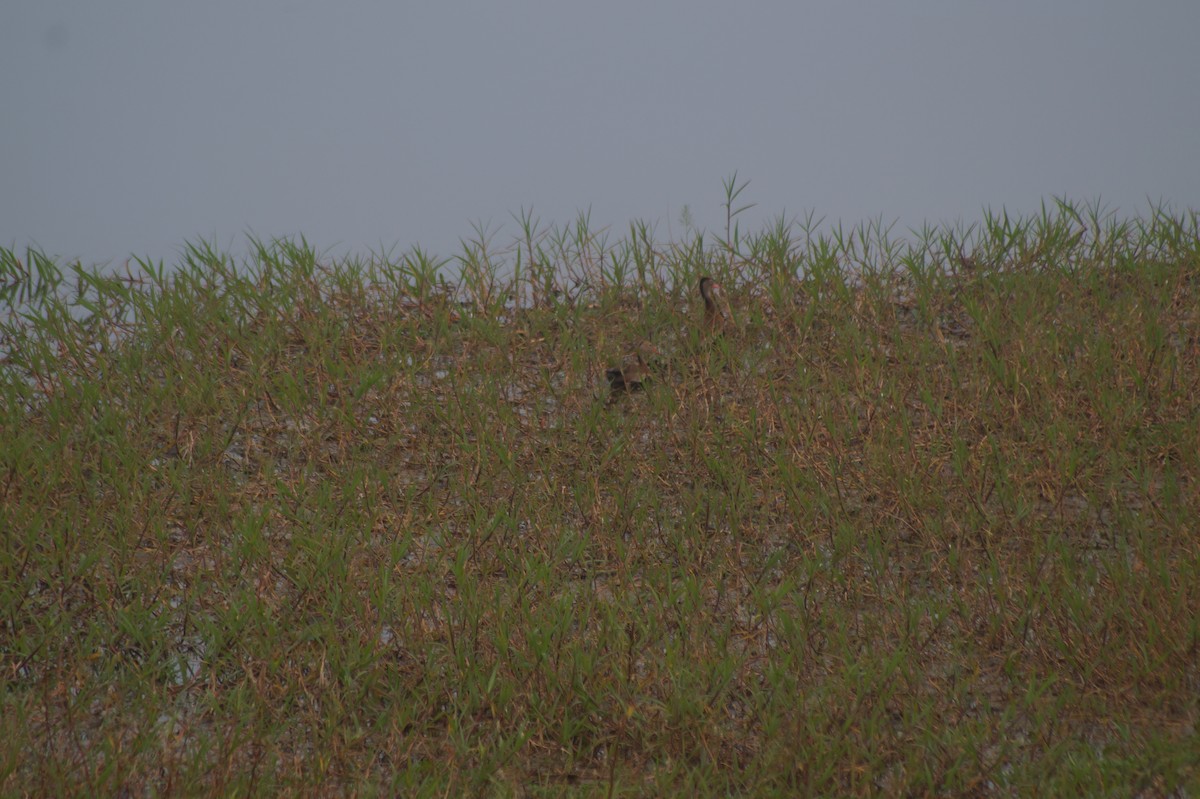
(923, 520)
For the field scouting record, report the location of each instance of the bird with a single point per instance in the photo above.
(633, 371)
(714, 317)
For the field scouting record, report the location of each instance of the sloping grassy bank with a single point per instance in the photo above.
(924, 520)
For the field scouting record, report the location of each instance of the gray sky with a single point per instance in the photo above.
(130, 127)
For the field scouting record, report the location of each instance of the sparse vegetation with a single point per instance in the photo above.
(922, 520)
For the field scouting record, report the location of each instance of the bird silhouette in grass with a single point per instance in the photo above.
(715, 319)
(634, 371)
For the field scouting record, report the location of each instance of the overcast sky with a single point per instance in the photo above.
(130, 127)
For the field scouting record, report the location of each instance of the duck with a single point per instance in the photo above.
(714, 317)
(633, 372)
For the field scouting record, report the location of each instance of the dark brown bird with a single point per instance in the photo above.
(714, 317)
(629, 375)
(633, 371)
